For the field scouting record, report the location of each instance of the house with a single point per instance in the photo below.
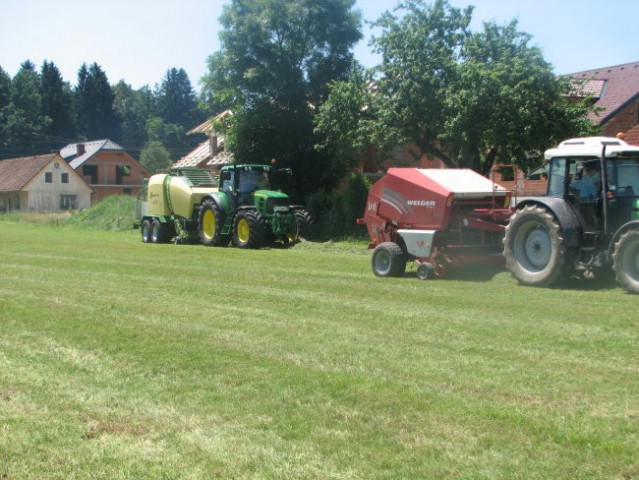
(211, 153)
(106, 167)
(615, 91)
(41, 183)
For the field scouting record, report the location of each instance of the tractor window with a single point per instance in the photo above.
(539, 172)
(557, 177)
(627, 178)
(251, 180)
(227, 180)
(585, 179)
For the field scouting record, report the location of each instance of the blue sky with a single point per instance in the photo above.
(129, 40)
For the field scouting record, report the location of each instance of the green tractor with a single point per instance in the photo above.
(187, 205)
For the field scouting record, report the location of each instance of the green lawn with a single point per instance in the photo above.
(125, 360)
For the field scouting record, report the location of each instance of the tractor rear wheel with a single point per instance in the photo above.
(304, 224)
(248, 229)
(388, 260)
(626, 261)
(211, 221)
(534, 248)
(146, 230)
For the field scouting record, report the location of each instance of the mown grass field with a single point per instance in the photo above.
(122, 360)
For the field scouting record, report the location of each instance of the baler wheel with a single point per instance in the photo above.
(388, 260)
(146, 230)
(534, 248)
(248, 229)
(425, 271)
(626, 261)
(159, 232)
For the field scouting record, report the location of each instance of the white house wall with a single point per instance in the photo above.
(43, 196)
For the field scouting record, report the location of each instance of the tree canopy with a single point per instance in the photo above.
(273, 69)
(40, 112)
(94, 97)
(466, 98)
(287, 72)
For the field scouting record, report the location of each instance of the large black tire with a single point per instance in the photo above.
(534, 248)
(304, 224)
(248, 229)
(160, 232)
(210, 223)
(625, 261)
(388, 260)
(145, 230)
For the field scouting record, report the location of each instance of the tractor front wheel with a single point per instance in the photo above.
(388, 260)
(626, 261)
(248, 229)
(211, 221)
(534, 248)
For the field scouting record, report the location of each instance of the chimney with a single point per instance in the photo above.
(80, 149)
(213, 145)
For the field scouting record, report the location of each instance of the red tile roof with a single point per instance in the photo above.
(15, 173)
(632, 136)
(614, 87)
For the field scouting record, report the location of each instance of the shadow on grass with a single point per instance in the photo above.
(601, 280)
(468, 272)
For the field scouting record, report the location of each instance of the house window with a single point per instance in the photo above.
(64, 178)
(48, 177)
(90, 171)
(67, 202)
(17, 202)
(121, 171)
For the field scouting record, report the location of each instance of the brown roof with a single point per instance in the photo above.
(613, 87)
(631, 137)
(201, 156)
(207, 127)
(15, 173)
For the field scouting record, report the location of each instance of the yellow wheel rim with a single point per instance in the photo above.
(208, 224)
(243, 230)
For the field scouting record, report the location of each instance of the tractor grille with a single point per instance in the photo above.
(277, 204)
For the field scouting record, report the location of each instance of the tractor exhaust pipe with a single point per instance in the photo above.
(604, 188)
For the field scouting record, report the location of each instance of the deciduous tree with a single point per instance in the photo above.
(133, 108)
(273, 69)
(467, 98)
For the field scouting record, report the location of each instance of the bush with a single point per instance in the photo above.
(114, 212)
(335, 213)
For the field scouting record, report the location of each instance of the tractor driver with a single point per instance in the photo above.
(587, 187)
